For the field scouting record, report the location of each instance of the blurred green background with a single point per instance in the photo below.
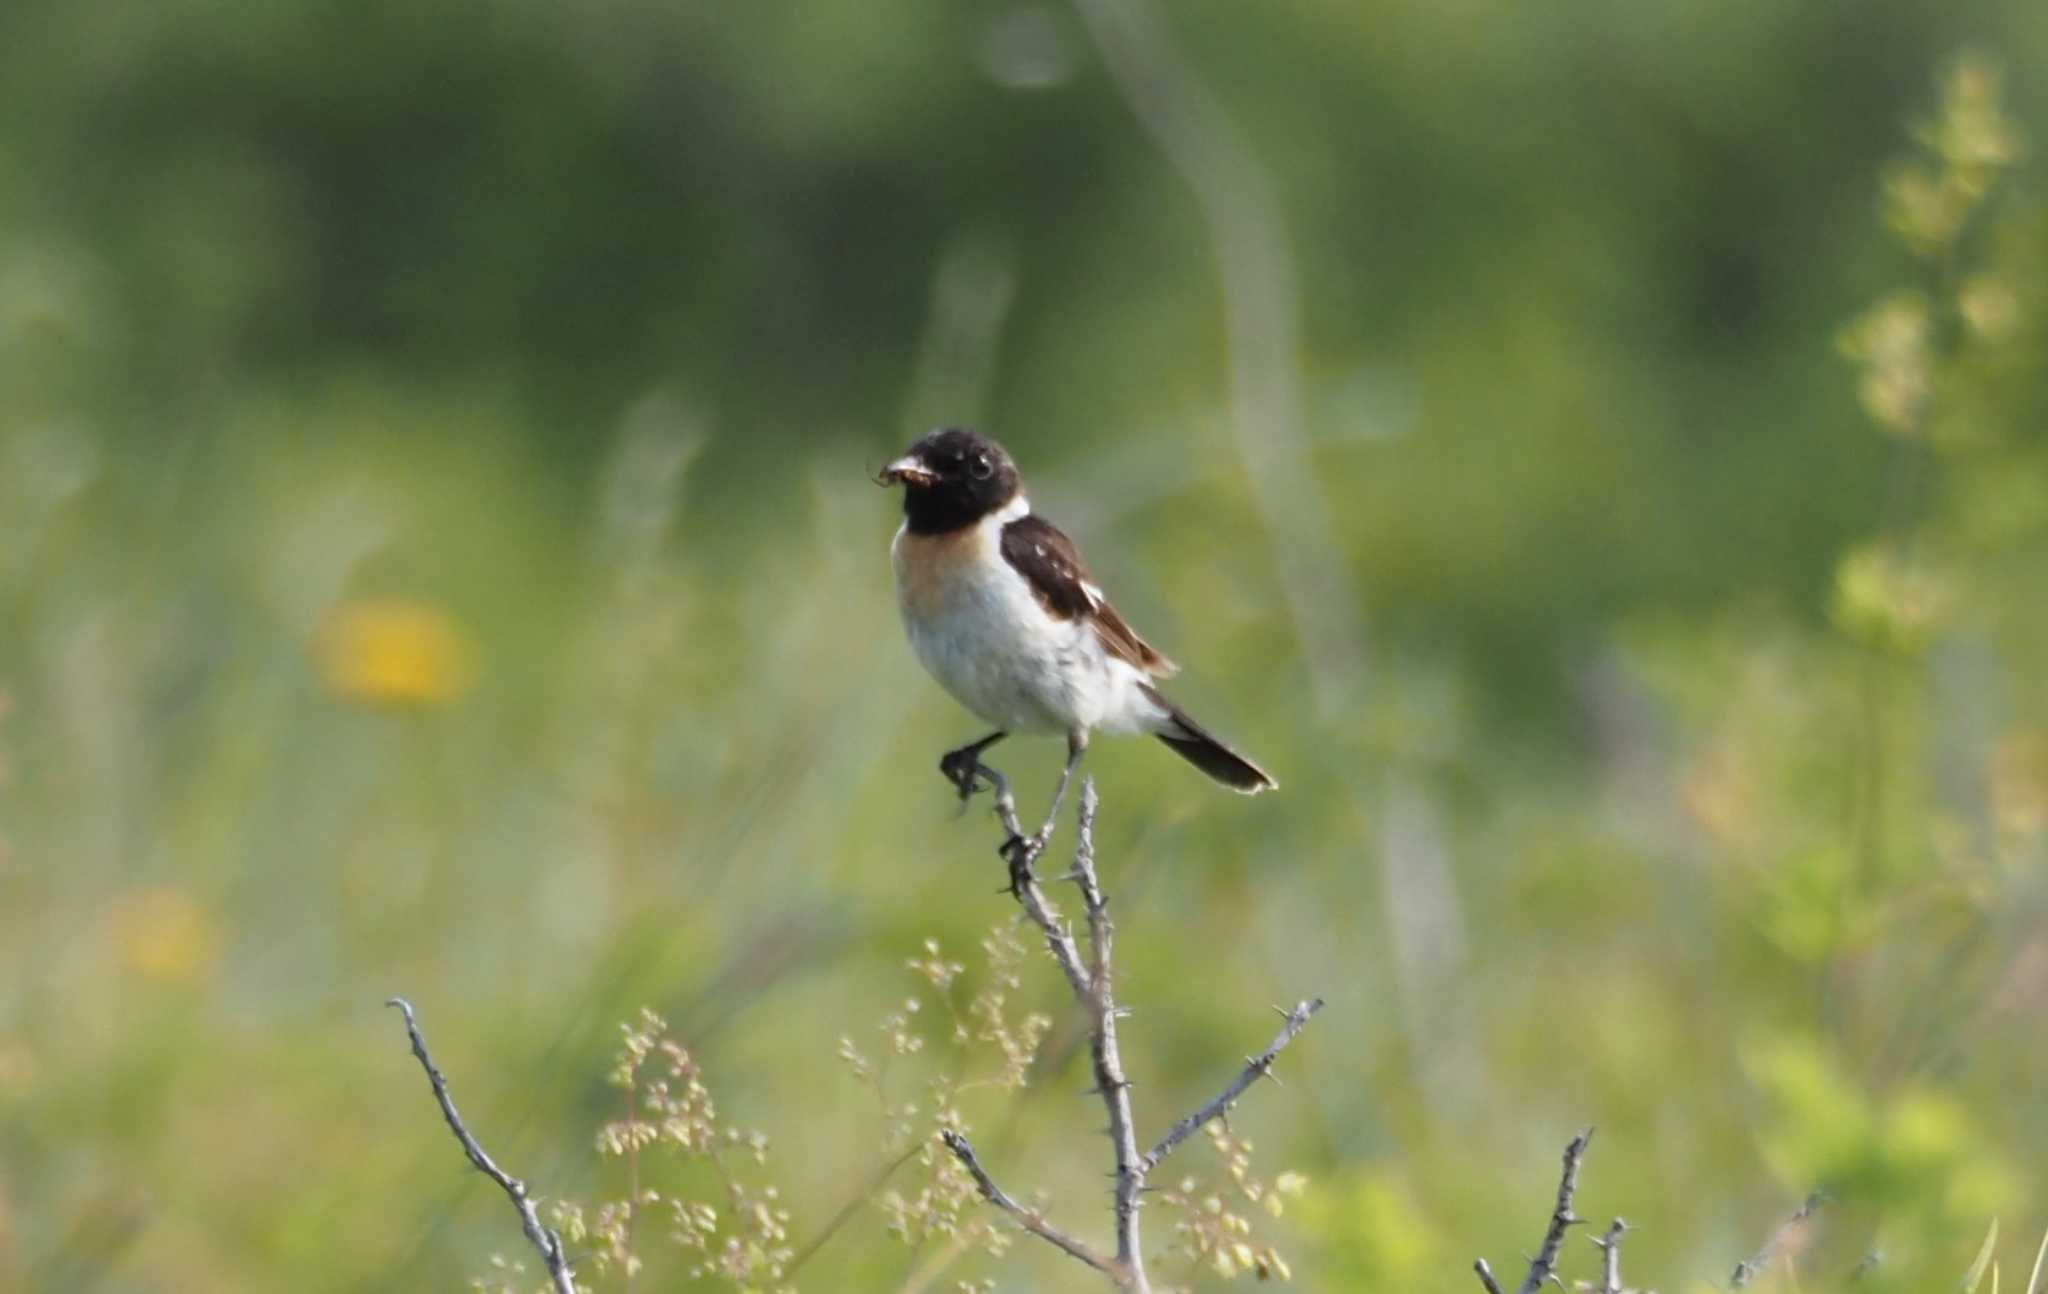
(437, 556)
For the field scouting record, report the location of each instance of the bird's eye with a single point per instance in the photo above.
(980, 468)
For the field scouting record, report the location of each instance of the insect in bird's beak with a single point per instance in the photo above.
(906, 471)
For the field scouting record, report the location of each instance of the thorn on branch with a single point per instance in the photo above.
(544, 1238)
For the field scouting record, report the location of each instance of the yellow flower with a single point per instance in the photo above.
(163, 935)
(393, 653)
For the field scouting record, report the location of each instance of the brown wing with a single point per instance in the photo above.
(1051, 564)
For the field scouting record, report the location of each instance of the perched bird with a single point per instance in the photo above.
(1003, 613)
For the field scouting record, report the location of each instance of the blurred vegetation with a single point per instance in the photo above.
(436, 557)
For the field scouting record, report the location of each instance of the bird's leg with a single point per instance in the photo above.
(1077, 746)
(1019, 850)
(963, 767)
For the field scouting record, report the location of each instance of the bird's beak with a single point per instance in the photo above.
(906, 471)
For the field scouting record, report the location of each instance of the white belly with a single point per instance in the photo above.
(976, 626)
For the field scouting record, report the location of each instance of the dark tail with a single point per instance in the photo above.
(1194, 743)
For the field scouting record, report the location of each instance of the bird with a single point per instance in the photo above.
(1000, 609)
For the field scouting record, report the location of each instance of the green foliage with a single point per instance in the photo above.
(435, 555)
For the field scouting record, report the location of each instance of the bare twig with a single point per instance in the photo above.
(1255, 1068)
(1059, 940)
(1609, 1246)
(1110, 1083)
(1030, 1219)
(1752, 1267)
(1091, 980)
(544, 1238)
(1543, 1267)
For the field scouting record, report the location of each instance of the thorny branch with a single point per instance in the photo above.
(1255, 1068)
(1753, 1266)
(1024, 883)
(1110, 1083)
(1543, 1267)
(544, 1238)
(1091, 982)
(1030, 1219)
(1609, 1246)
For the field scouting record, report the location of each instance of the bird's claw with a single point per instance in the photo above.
(1020, 852)
(962, 768)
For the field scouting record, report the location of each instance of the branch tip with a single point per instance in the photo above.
(1753, 1266)
(544, 1238)
(1543, 1267)
(1609, 1246)
(1255, 1068)
(1486, 1276)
